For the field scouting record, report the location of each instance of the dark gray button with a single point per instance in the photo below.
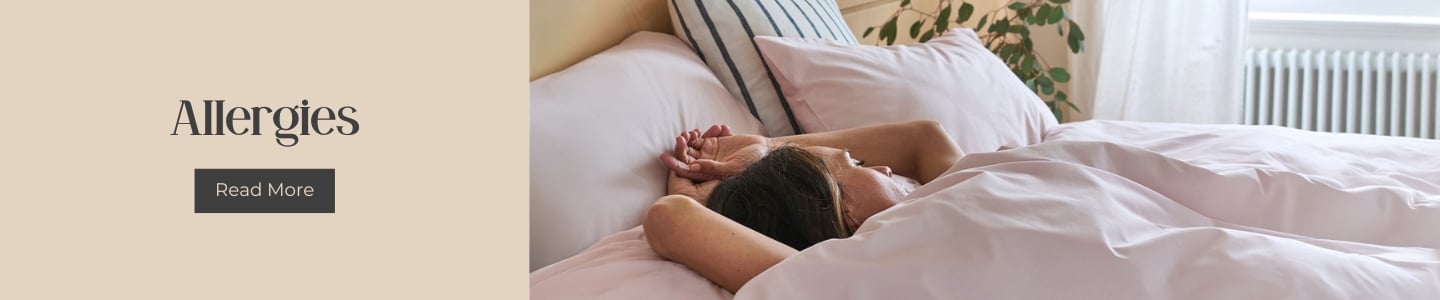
(264, 190)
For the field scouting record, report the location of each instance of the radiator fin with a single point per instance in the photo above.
(1382, 93)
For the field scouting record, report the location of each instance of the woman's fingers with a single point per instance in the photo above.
(673, 163)
(717, 130)
(689, 170)
(690, 145)
(681, 150)
(714, 131)
(697, 141)
(694, 153)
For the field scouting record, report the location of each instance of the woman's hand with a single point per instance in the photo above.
(683, 186)
(714, 154)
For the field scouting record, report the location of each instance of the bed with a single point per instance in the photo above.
(1037, 209)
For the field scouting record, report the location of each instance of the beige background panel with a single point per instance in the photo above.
(98, 197)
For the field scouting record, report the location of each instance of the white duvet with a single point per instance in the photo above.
(1118, 210)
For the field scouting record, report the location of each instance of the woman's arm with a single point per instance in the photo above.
(917, 149)
(729, 254)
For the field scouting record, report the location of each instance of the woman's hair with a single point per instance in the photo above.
(789, 195)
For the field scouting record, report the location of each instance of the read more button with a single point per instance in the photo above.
(264, 190)
(260, 188)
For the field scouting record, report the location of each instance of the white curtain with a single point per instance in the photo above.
(1161, 60)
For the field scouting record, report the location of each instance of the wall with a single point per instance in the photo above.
(1397, 8)
(563, 32)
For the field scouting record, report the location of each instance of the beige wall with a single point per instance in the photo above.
(563, 32)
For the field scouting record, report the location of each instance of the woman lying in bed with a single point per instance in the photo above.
(768, 198)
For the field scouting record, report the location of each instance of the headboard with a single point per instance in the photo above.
(563, 32)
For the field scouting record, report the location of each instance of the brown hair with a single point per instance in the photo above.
(789, 195)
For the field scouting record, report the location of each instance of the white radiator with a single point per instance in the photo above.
(1383, 93)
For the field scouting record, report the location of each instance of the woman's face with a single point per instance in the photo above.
(864, 190)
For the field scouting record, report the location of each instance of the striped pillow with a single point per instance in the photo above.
(723, 32)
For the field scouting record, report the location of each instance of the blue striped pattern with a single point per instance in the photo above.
(787, 17)
(726, 29)
(685, 29)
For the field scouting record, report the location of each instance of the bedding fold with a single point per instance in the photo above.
(1126, 210)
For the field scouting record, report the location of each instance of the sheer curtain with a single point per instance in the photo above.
(1161, 60)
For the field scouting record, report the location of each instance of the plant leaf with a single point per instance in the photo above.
(915, 29)
(1060, 97)
(1037, 68)
(887, 32)
(1074, 43)
(1028, 63)
(1075, 32)
(1017, 5)
(927, 36)
(1042, 14)
(943, 16)
(965, 11)
(1005, 51)
(1059, 1)
(868, 30)
(1001, 26)
(982, 23)
(905, 3)
(1055, 109)
(1056, 15)
(942, 21)
(1046, 86)
(1060, 74)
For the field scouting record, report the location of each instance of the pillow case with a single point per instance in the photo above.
(596, 130)
(723, 32)
(952, 79)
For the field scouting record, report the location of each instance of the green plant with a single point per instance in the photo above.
(1006, 32)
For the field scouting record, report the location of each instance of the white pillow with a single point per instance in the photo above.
(723, 33)
(952, 79)
(596, 130)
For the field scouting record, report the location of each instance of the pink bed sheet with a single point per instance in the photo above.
(621, 266)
